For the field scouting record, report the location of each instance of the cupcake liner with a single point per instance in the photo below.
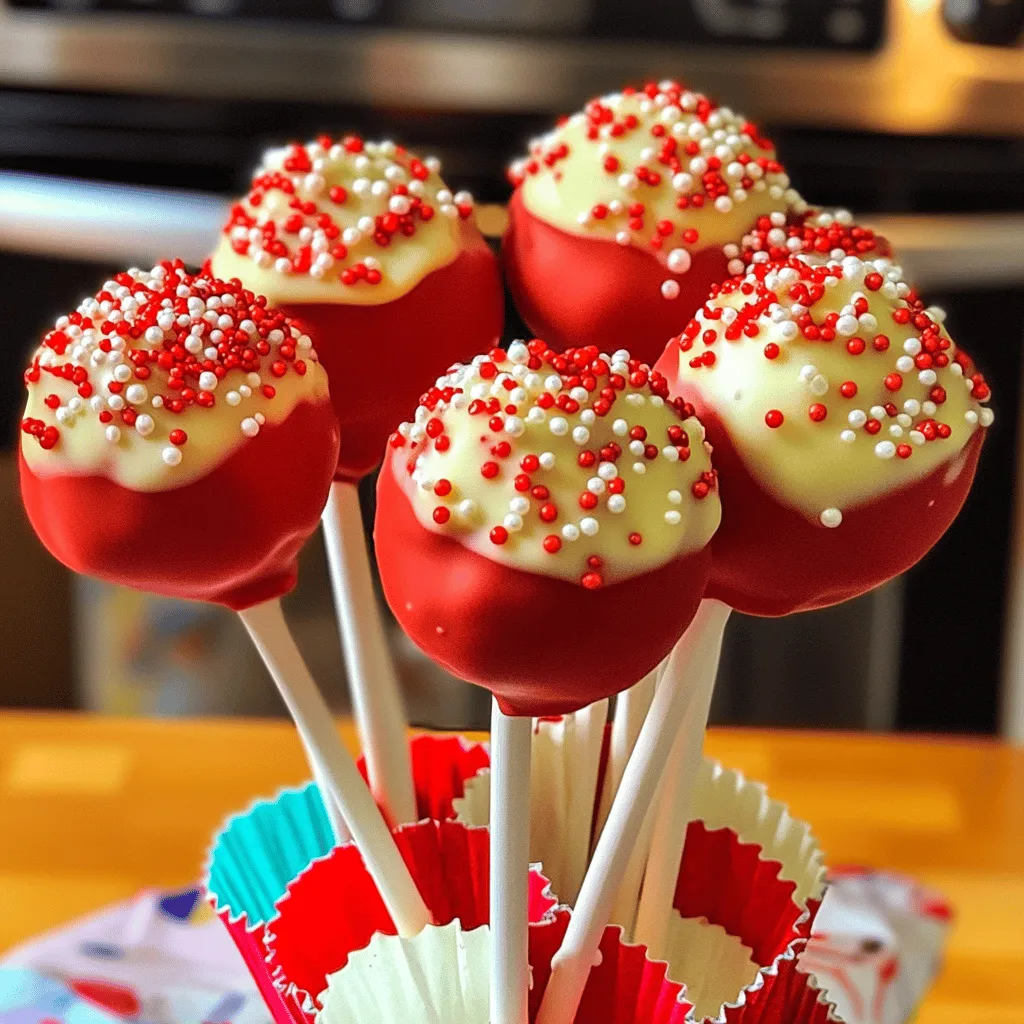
(253, 858)
(260, 850)
(724, 798)
(439, 975)
(333, 908)
(441, 767)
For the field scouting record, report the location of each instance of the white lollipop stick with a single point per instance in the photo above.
(376, 698)
(510, 866)
(671, 812)
(334, 815)
(674, 707)
(631, 707)
(269, 631)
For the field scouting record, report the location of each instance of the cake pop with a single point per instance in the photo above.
(845, 422)
(542, 530)
(173, 404)
(364, 240)
(625, 215)
(197, 419)
(534, 517)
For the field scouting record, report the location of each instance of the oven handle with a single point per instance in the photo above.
(113, 223)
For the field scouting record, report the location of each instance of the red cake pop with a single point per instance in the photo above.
(845, 423)
(543, 524)
(625, 215)
(159, 439)
(362, 240)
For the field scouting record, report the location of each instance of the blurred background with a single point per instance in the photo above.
(125, 126)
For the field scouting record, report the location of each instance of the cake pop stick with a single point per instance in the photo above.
(158, 452)
(376, 697)
(362, 239)
(625, 214)
(631, 707)
(510, 866)
(674, 707)
(508, 487)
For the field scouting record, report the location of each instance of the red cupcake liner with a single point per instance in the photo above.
(727, 882)
(333, 908)
(441, 767)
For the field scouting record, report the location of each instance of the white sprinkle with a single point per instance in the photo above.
(679, 261)
(122, 373)
(607, 471)
(723, 204)
(640, 468)
(895, 430)
(250, 427)
(636, 447)
(579, 434)
(878, 412)
(616, 504)
(671, 453)
(986, 417)
(136, 393)
(514, 426)
(620, 428)
(547, 460)
(675, 497)
(819, 385)
(857, 418)
(171, 456)
(245, 391)
(570, 532)
(559, 426)
(536, 415)
(831, 517)
(905, 364)
(520, 506)
(208, 380)
(467, 508)
(927, 377)
(847, 436)
(113, 434)
(673, 517)
(885, 449)
(596, 485)
(512, 522)
(233, 398)
(917, 437)
(847, 326)
(929, 408)
(912, 346)
(670, 289)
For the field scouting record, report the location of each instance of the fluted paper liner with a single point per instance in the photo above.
(724, 799)
(439, 975)
(333, 909)
(254, 856)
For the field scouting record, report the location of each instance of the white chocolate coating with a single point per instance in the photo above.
(493, 459)
(114, 417)
(342, 222)
(832, 422)
(641, 168)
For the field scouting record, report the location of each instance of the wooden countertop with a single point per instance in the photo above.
(92, 809)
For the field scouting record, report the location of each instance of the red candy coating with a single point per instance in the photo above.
(769, 559)
(541, 645)
(231, 537)
(575, 291)
(378, 356)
